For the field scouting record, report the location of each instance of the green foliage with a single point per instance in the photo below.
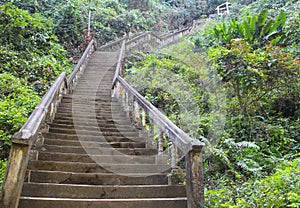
(22, 29)
(256, 76)
(65, 17)
(16, 104)
(255, 29)
(255, 57)
(31, 59)
(176, 84)
(29, 49)
(279, 190)
(3, 164)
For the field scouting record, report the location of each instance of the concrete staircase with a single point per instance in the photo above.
(93, 156)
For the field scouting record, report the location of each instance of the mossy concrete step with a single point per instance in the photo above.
(104, 151)
(102, 192)
(95, 125)
(89, 113)
(91, 107)
(61, 142)
(70, 104)
(100, 159)
(77, 167)
(38, 176)
(96, 132)
(72, 96)
(95, 81)
(63, 166)
(92, 121)
(36, 202)
(94, 92)
(75, 129)
(91, 138)
(85, 97)
(95, 117)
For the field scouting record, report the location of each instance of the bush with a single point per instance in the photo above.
(17, 101)
(278, 190)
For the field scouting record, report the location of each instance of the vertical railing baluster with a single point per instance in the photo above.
(136, 113)
(151, 133)
(160, 142)
(173, 156)
(143, 118)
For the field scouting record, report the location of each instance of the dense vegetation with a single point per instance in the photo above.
(234, 84)
(40, 39)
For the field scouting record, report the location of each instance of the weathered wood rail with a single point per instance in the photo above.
(30, 133)
(137, 106)
(143, 114)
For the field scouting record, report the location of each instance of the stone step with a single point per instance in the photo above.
(96, 117)
(91, 138)
(95, 125)
(39, 202)
(75, 98)
(60, 142)
(96, 132)
(89, 113)
(73, 129)
(83, 110)
(77, 167)
(100, 159)
(98, 82)
(70, 104)
(91, 109)
(92, 121)
(95, 92)
(104, 151)
(102, 192)
(39, 176)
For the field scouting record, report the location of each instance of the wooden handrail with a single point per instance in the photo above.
(110, 44)
(23, 140)
(28, 133)
(26, 137)
(191, 148)
(184, 142)
(80, 62)
(119, 64)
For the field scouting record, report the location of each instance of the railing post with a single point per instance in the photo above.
(15, 174)
(151, 133)
(194, 178)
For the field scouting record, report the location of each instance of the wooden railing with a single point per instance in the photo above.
(223, 9)
(31, 132)
(149, 40)
(81, 66)
(28, 135)
(143, 114)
